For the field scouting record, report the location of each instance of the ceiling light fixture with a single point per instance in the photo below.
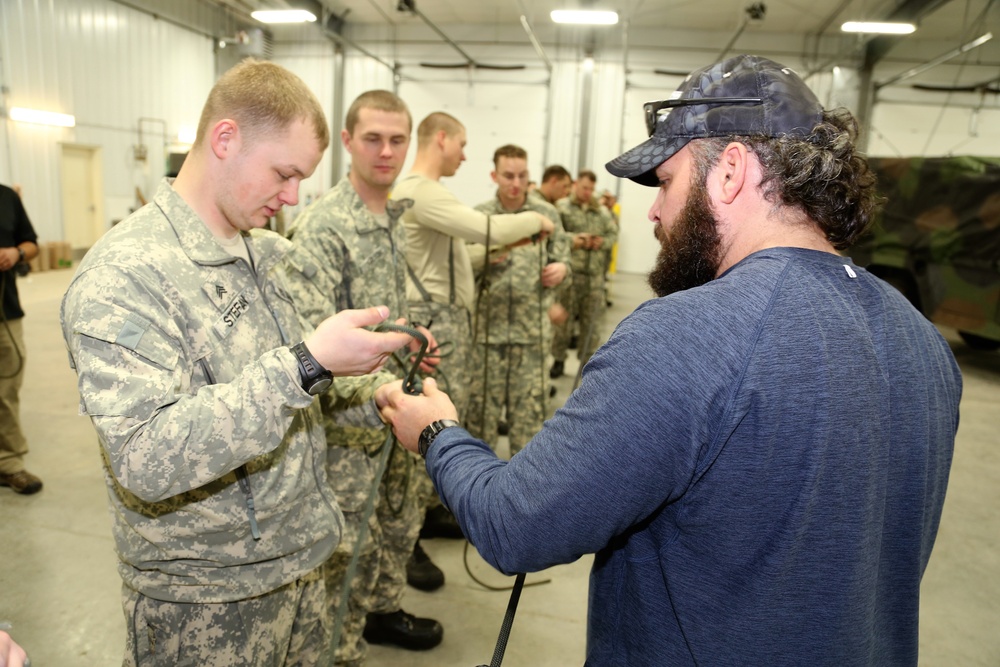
(42, 117)
(584, 16)
(283, 16)
(876, 28)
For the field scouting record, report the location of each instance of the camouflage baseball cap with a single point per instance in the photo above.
(744, 95)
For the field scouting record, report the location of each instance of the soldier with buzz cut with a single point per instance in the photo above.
(349, 251)
(513, 312)
(200, 381)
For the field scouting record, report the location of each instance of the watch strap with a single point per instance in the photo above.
(315, 378)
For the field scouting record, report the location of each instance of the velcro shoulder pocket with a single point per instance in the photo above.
(114, 324)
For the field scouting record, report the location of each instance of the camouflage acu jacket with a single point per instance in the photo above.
(180, 352)
(511, 295)
(342, 258)
(592, 219)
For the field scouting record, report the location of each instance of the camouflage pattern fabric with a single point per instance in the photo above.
(512, 334)
(781, 104)
(288, 626)
(342, 257)
(183, 365)
(453, 329)
(937, 238)
(515, 382)
(586, 300)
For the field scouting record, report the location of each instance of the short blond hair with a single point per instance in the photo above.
(379, 100)
(263, 98)
(437, 122)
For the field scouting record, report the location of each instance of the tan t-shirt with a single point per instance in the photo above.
(437, 218)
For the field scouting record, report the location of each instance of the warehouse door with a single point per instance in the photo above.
(83, 214)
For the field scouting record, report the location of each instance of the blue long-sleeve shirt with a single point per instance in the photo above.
(759, 465)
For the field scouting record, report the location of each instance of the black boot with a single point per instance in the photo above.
(557, 369)
(403, 630)
(421, 572)
(439, 522)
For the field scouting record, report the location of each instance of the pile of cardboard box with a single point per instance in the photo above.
(53, 255)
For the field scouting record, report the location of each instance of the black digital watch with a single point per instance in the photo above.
(432, 431)
(315, 378)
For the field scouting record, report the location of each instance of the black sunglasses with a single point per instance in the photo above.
(653, 109)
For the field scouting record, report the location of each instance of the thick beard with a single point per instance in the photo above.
(690, 253)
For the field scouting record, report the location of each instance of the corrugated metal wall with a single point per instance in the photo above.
(109, 66)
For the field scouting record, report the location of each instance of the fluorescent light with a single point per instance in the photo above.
(284, 16)
(874, 27)
(584, 16)
(42, 117)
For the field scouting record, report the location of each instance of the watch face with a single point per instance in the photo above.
(319, 386)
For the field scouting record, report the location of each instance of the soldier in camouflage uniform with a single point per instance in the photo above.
(441, 287)
(348, 252)
(513, 311)
(441, 284)
(187, 350)
(593, 231)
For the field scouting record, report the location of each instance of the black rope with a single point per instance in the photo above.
(491, 587)
(411, 385)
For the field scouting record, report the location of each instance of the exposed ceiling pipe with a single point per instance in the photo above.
(411, 6)
(876, 48)
(470, 62)
(534, 41)
(945, 57)
(548, 84)
(333, 28)
(754, 12)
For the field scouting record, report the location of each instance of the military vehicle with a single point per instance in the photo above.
(937, 240)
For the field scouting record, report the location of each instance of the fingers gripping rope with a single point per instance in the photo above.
(412, 383)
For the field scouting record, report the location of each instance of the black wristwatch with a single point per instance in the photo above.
(315, 378)
(432, 431)
(20, 254)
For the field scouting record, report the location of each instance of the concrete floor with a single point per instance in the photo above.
(60, 590)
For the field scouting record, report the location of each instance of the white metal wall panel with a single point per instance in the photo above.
(564, 137)
(109, 66)
(493, 114)
(606, 119)
(637, 248)
(314, 63)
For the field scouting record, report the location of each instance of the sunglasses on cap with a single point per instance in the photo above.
(654, 110)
